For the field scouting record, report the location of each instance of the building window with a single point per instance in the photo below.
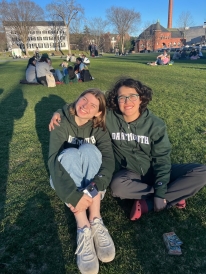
(33, 38)
(40, 45)
(45, 38)
(46, 45)
(49, 32)
(38, 32)
(51, 38)
(63, 45)
(39, 38)
(32, 32)
(44, 32)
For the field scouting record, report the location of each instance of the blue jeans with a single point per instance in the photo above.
(58, 74)
(82, 164)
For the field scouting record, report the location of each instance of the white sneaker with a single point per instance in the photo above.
(104, 244)
(87, 260)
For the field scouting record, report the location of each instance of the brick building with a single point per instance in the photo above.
(156, 37)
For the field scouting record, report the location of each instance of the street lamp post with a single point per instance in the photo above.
(204, 26)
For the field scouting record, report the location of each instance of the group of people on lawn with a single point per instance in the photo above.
(114, 140)
(36, 71)
(194, 54)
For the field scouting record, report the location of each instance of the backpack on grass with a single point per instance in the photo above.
(85, 75)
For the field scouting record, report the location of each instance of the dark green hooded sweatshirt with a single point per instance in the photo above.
(142, 146)
(69, 134)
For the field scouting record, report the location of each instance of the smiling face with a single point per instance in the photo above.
(129, 109)
(86, 108)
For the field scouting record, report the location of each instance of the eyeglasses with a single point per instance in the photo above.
(132, 98)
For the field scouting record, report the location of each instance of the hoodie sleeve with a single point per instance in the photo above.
(104, 176)
(161, 149)
(63, 183)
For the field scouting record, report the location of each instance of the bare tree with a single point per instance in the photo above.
(67, 11)
(97, 27)
(123, 20)
(3, 44)
(185, 20)
(18, 16)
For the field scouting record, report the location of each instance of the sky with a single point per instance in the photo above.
(150, 10)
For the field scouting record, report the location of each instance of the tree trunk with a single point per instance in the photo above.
(122, 42)
(68, 40)
(26, 49)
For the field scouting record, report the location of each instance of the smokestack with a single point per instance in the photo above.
(169, 25)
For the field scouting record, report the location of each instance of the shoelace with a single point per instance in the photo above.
(101, 230)
(84, 242)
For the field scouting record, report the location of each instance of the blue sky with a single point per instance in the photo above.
(150, 10)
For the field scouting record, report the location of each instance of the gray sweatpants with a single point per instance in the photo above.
(185, 181)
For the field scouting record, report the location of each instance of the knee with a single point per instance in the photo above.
(115, 188)
(89, 149)
(68, 154)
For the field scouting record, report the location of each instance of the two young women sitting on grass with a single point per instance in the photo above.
(143, 169)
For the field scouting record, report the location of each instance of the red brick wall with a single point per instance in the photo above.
(158, 41)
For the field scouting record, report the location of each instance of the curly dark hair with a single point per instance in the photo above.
(144, 92)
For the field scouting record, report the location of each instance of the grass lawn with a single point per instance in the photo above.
(37, 232)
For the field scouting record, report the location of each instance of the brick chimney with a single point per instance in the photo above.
(169, 25)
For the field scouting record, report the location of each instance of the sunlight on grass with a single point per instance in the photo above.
(38, 232)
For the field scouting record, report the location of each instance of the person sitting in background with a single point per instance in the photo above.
(162, 59)
(64, 68)
(69, 77)
(166, 59)
(183, 54)
(193, 54)
(49, 61)
(79, 67)
(73, 58)
(42, 68)
(200, 53)
(176, 55)
(68, 57)
(85, 60)
(31, 71)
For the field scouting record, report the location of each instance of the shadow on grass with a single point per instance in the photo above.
(194, 68)
(44, 111)
(138, 240)
(139, 244)
(12, 108)
(35, 245)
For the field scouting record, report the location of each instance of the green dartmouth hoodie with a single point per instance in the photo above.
(69, 134)
(142, 146)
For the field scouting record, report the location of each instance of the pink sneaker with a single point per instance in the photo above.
(181, 204)
(139, 207)
(136, 211)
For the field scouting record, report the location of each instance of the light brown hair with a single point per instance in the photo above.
(99, 95)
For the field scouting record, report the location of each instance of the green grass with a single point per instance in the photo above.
(37, 232)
